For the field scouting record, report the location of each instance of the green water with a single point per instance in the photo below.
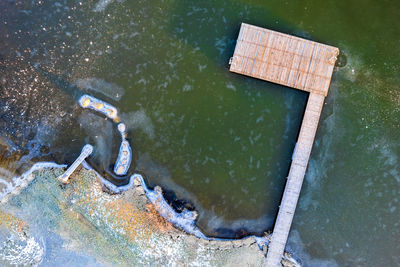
(220, 141)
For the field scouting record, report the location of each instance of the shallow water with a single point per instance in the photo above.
(217, 140)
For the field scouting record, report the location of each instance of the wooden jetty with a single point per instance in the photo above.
(301, 64)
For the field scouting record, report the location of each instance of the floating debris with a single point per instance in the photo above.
(108, 89)
(86, 151)
(87, 101)
(18, 183)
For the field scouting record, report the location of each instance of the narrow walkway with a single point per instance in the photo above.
(298, 63)
(295, 179)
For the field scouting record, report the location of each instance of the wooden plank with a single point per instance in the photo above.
(297, 63)
(295, 180)
(284, 59)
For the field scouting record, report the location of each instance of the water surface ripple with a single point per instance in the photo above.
(215, 141)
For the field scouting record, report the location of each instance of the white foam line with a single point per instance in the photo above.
(101, 5)
(19, 182)
(185, 220)
(292, 260)
(108, 184)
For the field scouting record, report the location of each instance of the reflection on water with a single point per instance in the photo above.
(214, 140)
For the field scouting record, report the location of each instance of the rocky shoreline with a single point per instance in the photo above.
(113, 229)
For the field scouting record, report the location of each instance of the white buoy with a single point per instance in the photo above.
(122, 129)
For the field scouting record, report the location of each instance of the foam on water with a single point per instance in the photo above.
(390, 161)
(148, 58)
(108, 184)
(101, 5)
(208, 217)
(296, 247)
(320, 162)
(139, 120)
(98, 85)
(185, 220)
(102, 133)
(19, 182)
(353, 65)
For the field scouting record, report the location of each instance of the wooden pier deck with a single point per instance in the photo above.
(297, 63)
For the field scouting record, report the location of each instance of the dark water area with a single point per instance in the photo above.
(215, 141)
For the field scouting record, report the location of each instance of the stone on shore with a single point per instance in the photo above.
(80, 224)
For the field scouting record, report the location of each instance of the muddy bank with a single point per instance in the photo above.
(81, 224)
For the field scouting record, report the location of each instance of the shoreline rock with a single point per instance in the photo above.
(116, 229)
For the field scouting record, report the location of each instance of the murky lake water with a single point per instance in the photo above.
(220, 141)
